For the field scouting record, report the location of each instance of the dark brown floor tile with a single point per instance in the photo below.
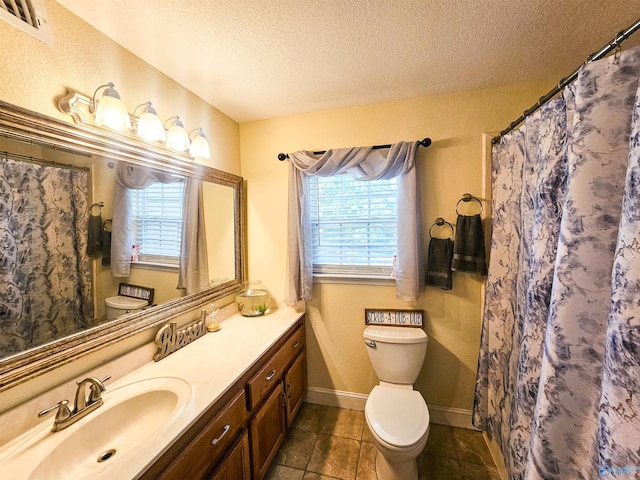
(296, 449)
(310, 417)
(280, 472)
(474, 471)
(471, 447)
(343, 423)
(316, 476)
(440, 441)
(367, 462)
(367, 436)
(335, 457)
(433, 467)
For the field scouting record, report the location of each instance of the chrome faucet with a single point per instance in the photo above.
(84, 403)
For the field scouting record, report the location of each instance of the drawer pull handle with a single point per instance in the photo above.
(271, 375)
(224, 432)
(296, 344)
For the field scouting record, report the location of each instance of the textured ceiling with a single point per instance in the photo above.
(256, 59)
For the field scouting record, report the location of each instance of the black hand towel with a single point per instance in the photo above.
(106, 248)
(468, 252)
(439, 263)
(94, 235)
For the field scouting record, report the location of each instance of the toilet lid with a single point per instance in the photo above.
(398, 416)
(125, 303)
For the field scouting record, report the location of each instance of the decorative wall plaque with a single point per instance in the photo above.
(396, 318)
(169, 338)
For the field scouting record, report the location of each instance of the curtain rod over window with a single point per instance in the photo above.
(421, 143)
(612, 45)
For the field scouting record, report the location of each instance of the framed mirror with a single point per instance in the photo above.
(34, 138)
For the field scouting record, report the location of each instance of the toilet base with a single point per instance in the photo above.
(387, 470)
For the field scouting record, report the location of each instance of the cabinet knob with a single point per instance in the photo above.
(296, 344)
(273, 372)
(224, 432)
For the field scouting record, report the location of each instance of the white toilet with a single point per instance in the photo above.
(396, 414)
(120, 304)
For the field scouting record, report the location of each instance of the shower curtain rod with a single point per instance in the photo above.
(425, 142)
(612, 45)
(26, 158)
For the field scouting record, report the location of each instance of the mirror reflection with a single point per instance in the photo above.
(76, 239)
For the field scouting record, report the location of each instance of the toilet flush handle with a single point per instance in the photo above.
(370, 343)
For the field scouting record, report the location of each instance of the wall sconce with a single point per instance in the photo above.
(148, 125)
(110, 111)
(177, 136)
(199, 145)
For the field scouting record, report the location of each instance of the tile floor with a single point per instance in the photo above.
(326, 443)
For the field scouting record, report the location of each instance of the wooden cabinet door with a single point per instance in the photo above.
(267, 429)
(236, 465)
(295, 384)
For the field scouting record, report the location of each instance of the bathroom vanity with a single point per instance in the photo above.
(238, 436)
(217, 408)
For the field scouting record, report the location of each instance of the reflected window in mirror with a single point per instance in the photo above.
(157, 224)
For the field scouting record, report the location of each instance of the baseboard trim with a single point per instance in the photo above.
(336, 398)
(496, 454)
(454, 417)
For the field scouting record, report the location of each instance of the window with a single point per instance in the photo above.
(354, 225)
(157, 222)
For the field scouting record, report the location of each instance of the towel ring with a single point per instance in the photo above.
(467, 197)
(99, 205)
(440, 222)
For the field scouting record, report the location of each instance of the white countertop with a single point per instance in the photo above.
(210, 365)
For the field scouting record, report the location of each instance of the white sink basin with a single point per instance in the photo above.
(132, 417)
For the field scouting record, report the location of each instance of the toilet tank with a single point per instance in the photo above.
(396, 353)
(121, 305)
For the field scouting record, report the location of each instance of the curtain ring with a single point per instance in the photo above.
(467, 197)
(440, 222)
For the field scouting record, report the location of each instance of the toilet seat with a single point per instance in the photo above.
(397, 417)
(125, 303)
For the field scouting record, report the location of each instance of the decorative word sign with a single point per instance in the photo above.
(397, 318)
(169, 338)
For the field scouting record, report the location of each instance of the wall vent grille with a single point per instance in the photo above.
(28, 15)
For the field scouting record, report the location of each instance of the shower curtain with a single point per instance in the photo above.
(559, 364)
(45, 274)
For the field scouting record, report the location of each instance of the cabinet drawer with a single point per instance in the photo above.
(271, 373)
(209, 445)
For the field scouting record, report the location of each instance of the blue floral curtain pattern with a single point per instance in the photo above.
(619, 410)
(45, 274)
(542, 379)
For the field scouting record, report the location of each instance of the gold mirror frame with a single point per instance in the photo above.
(27, 126)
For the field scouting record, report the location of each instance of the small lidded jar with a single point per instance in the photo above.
(253, 300)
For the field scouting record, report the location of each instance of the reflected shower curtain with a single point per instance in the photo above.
(559, 365)
(45, 274)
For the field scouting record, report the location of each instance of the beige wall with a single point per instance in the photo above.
(452, 166)
(34, 75)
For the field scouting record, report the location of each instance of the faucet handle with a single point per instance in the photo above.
(63, 411)
(95, 390)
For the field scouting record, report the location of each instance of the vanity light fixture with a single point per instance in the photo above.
(148, 124)
(110, 111)
(177, 136)
(199, 144)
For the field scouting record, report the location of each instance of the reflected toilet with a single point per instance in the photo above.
(119, 305)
